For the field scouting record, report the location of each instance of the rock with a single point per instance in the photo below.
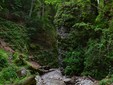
(66, 79)
(33, 65)
(96, 83)
(39, 80)
(5, 46)
(27, 81)
(51, 78)
(84, 81)
(22, 72)
(63, 32)
(55, 78)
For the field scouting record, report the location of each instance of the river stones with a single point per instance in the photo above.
(51, 78)
(84, 81)
(56, 78)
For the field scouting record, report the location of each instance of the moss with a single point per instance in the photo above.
(19, 59)
(29, 80)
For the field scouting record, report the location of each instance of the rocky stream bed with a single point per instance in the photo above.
(56, 78)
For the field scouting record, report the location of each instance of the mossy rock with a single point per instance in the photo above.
(26, 81)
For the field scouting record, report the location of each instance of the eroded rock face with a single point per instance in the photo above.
(51, 78)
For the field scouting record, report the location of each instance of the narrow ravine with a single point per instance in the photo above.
(55, 76)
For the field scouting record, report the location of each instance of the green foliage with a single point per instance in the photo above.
(41, 29)
(19, 59)
(75, 46)
(47, 58)
(8, 75)
(88, 50)
(98, 57)
(36, 32)
(73, 62)
(91, 34)
(9, 67)
(7, 71)
(3, 59)
(72, 12)
(53, 2)
(17, 8)
(15, 34)
(106, 81)
(66, 16)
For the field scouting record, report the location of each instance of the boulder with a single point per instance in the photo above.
(26, 81)
(51, 78)
(55, 78)
(84, 81)
(22, 72)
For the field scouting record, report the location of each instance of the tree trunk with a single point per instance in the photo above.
(31, 9)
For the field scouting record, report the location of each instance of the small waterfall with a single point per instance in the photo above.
(62, 34)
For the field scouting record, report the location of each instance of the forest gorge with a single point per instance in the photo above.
(75, 36)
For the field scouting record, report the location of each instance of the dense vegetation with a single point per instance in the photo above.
(29, 27)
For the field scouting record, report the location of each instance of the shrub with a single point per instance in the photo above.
(8, 75)
(106, 81)
(73, 62)
(19, 59)
(47, 58)
(98, 58)
(3, 59)
(15, 35)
